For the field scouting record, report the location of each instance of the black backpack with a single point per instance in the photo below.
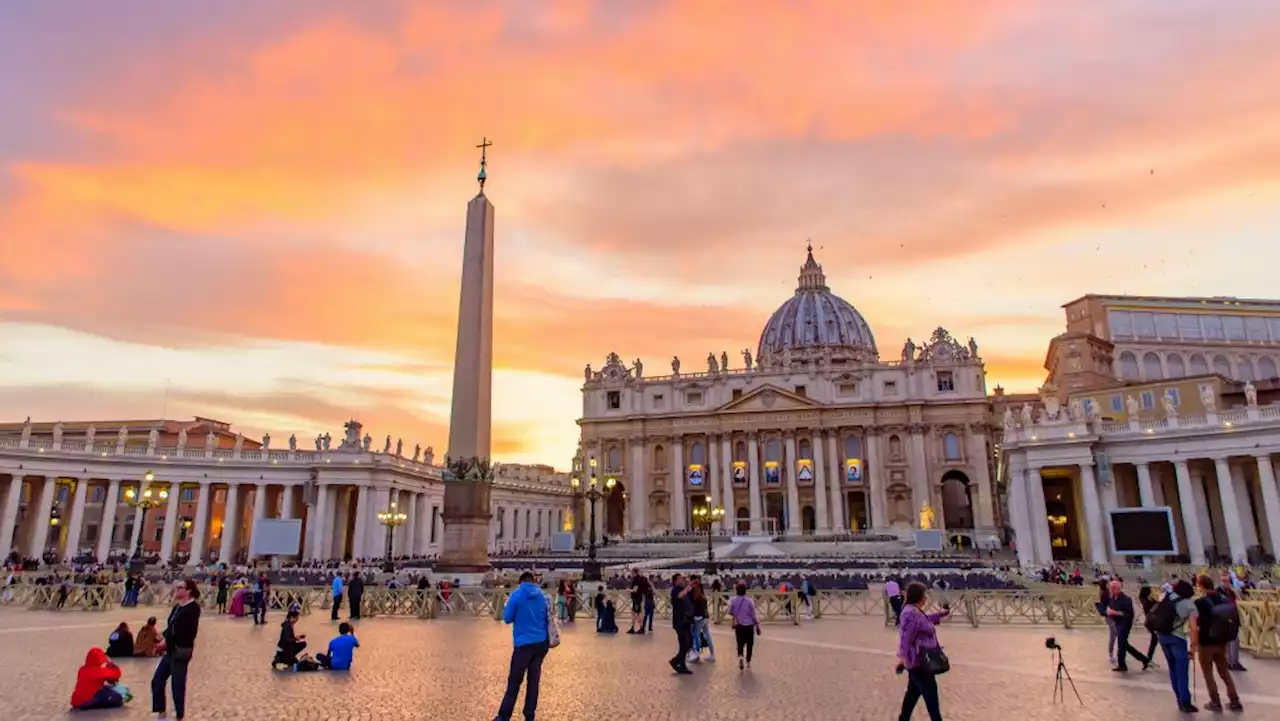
(1163, 616)
(1223, 625)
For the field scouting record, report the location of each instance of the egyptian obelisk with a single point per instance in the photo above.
(466, 496)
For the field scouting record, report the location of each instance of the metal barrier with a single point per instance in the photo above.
(1260, 628)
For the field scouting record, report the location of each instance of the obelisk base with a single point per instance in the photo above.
(466, 529)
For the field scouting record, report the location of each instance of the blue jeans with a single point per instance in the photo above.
(169, 669)
(646, 624)
(526, 661)
(1175, 654)
(105, 698)
(700, 627)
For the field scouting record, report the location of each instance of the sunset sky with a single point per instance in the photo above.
(253, 211)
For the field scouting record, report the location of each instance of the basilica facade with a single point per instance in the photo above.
(813, 433)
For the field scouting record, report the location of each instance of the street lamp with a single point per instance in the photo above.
(391, 518)
(591, 569)
(143, 499)
(709, 517)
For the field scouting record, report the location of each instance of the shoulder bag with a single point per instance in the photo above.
(553, 628)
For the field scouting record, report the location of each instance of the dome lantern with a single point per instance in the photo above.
(816, 323)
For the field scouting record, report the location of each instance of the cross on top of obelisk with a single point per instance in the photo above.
(483, 174)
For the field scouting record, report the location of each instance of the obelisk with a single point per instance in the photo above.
(468, 479)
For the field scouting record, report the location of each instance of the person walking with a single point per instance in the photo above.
(178, 646)
(261, 596)
(701, 623)
(1120, 613)
(646, 623)
(918, 635)
(528, 613)
(638, 585)
(682, 622)
(337, 595)
(893, 592)
(223, 585)
(1147, 602)
(746, 625)
(1214, 626)
(1169, 620)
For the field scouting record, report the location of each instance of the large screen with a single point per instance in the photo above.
(276, 537)
(1143, 532)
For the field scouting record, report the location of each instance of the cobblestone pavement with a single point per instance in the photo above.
(830, 670)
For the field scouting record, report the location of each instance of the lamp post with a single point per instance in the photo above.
(709, 517)
(143, 499)
(391, 518)
(591, 569)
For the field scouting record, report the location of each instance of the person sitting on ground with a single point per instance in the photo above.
(120, 642)
(607, 618)
(341, 649)
(290, 644)
(148, 641)
(96, 683)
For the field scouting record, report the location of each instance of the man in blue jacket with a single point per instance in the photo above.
(337, 594)
(526, 611)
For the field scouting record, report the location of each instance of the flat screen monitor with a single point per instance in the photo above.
(1143, 532)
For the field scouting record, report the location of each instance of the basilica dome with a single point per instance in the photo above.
(815, 323)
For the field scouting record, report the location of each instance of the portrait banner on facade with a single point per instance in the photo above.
(772, 473)
(695, 474)
(740, 473)
(853, 470)
(804, 470)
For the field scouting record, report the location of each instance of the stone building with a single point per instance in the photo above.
(811, 432)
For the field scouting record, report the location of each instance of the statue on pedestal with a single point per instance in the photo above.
(927, 517)
(182, 438)
(724, 360)
(1170, 410)
(57, 433)
(1250, 394)
(1076, 409)
(367, 441)
(973, 348)
(1132, 407)
(746, 358)
(430, 457)
(89, 436)
(26, 432)
(386, 447)
(328, 441)
(399, 447)
(417, 451)
(1208, 398)
(209, 440)
(711, 363)
(675, 365)
(639, 369)
(319, 442)
(266, 441)
(152, 439)
(908, 351)
(1026, 415)
(586, 373)
(293, 442)
(1008, 419)
(239, 443)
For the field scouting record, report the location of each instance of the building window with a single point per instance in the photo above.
(1148, 400)
(220, 495)
(91, 533)
(946, 382)
(614, 400)
(98, 494)
(1177, 369)
(895, 448)
(659, 458)
(737, 393)
(693, 398)
(852, 447)
(183, 527)
(1128, 366)
(1172, 395)
(951, 447)
(1222, 366)
(800, 391)
(1117, 404)
(657, 400)
(613, 458)
(159, 528)
(848, 389)
(891, 388)
(804, 449)
(188, 495)
(1089, 408)
(1199, 366)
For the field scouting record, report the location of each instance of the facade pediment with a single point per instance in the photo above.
(769, 398)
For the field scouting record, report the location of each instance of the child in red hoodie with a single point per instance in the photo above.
(95, 683)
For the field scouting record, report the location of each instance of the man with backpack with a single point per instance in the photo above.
(1215, 625)
(1168, 620)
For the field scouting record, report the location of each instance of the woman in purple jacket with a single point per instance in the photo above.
(916, 634)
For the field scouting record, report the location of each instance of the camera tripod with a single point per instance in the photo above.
(1059, 693)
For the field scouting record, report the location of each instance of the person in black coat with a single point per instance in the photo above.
(120, 643)
(290, 644)
(355, 592)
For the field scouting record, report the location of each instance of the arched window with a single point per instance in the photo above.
(895, 448)
(1176, 367)
(698, 453)
(98, 495)
(852, 447)
(1266, 368)
(951, 447)
(659, 458)
(804, 449)
(740, 451)
(1244, 370)
(613, 458)
(1199, 366)
(773, 450)
(1151, 369)
(1128, 366)
(1222, 366)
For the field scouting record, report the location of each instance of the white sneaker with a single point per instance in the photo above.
(712, 657)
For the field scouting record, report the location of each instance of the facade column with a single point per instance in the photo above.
(980, 462)
(422, 538)
(318, 552)
(9, 524)
(1039, 517)
(170, 522)
(919, 471)
(359, 538)
(678, 521)
(710, 483)
(107, 524)
(341, 518)
(753, 487)
(376, 539)
(1190, 518)
(1093, 515)
(822, 524)
(199, 531)
(874, 474)
(1240, 484)
(77, 519)
(137, 523)
(1230, 510)
(1019, 515)
(411, 524)
(726, 484)
(639, 494)
(259, 513)
(794, 525)
(509, 524)
(839, 521)
(1270, 499)
(40, 528)
(227, 548)
(1146, 491)
(288, 502)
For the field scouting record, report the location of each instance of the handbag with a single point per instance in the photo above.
(553, 628)
(934, 661)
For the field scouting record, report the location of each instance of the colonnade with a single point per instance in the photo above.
(517, 525)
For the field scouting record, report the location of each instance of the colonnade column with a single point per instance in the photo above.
(259, 513)
(196, 557)
(358, 548)
(821, 525)
(422, 538)
(1245, 505)
(40, 531)
(678, 521)
(1230, 511)
(230, 521)
(1039, 517)
(639, 495)
(411, 524)
(170, 522)
(726, 482)
(980, 461)
(1146, 491)
(1190, 518)
(288, 502)
(107, 523)
(837, 506)
(873, 476)
(753, 487)
(9, 523)
(1270, 499)
(1018, 512)
(375, 536)
(77, 519)
(794, 526)
(1093, 515)
(316, 548)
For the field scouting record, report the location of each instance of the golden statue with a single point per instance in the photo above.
(927, 517)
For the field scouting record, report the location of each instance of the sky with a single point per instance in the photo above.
(254, 211)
